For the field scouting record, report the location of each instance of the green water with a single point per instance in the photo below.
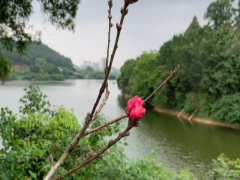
(177, 143)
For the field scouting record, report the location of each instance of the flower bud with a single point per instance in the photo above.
(121, 10)
(138, 124)
(134, 108)
(110, 3)
(110, 142)
(119, 27)
(90, 154)
(101, 155)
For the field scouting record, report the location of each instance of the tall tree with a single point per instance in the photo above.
(14, 17)
(194, 25)
(220, 12)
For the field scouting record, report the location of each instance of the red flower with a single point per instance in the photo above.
(134, 108)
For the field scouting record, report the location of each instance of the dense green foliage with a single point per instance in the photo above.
(225, 169)
(227, 108)
(209, 57)
(35, 53)
(39, 130)
(5, 68)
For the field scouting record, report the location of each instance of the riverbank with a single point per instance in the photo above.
(186, 116)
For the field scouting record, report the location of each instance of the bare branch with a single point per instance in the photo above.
(171, 74)
(74, 134)
(105, 124)
(90, 115)
(110, 4)
(99, 154)
(101, 106)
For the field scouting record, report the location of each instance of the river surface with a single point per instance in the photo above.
(177, 143)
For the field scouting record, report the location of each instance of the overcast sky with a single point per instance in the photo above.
(147, 26)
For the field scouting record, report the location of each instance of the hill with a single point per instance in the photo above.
(35, 51)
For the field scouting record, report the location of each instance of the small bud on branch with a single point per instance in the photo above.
(130, 1)
(110, 142)
(90, 154)
(119, 27)
(122, 134)
(121, 11)
(110, 3)
(138, 124)
(51, 160)
(101, 155)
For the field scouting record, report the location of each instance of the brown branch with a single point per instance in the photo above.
(171, 74)
(105, 124)
(110, 4)
(102, 105)
(133, 123)
(119, 27)
(74, 134)
(90, 115)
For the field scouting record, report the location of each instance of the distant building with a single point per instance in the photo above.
(95, 66)
(86, 64)
(76, 67)
(102, 64)
(115, 71)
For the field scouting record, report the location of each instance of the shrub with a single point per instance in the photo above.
(97, 75)
(225, 169)
(189, 107)
(227, 108)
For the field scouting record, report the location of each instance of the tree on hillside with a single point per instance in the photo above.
(194, 25)
(51, 69)
(5, 68)
(124, 78)
(220, 12)
(90, 69)
(14, 17)
(41, 62)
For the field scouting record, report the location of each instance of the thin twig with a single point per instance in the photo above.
(105, 124)
(102, 105)
(171, 74)
(110, 4)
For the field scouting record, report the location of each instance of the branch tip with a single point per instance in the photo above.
(51, 160)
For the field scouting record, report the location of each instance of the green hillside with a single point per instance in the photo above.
(35, 51)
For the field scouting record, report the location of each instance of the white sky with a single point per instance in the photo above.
(147, 26)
